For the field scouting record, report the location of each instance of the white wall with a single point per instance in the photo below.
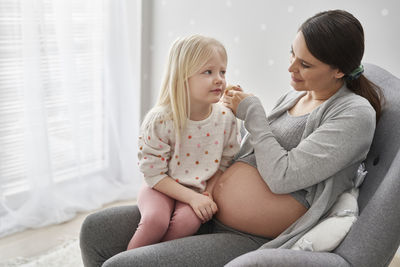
(258, 35)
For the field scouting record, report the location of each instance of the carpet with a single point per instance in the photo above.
(67, 254)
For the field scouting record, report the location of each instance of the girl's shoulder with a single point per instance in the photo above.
(220, 109)
(158, 117)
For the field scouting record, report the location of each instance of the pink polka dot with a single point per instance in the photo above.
(160, 146)
(216, 142)
(151, 166)
(198, 145)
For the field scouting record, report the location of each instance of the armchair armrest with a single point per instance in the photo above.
(288, 258)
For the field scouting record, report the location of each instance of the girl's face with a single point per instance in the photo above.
(207, 85)
(310, 74)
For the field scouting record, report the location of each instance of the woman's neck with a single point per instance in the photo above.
(323, 95)
(199, 113)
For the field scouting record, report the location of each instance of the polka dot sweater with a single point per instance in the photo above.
(203, 148)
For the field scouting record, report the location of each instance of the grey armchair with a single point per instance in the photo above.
(375, 237)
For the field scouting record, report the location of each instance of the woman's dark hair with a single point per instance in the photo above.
(336, 38)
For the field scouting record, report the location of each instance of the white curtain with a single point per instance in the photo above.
(69, 108)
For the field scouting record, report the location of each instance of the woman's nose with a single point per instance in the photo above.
(292, 66)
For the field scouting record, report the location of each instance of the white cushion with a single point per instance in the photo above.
(331, 230)
(328, 233)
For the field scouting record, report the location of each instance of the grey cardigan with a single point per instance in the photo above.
(336, 139)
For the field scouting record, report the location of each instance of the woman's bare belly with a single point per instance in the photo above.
(246, 203)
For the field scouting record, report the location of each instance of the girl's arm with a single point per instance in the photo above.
(202, 205)
(154, 154)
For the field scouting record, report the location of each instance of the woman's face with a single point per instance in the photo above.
(310, 74)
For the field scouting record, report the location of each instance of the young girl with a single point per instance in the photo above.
(187, 140)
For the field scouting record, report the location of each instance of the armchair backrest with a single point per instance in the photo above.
(375, 237)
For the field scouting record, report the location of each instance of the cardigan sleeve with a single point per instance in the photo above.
(340, 140)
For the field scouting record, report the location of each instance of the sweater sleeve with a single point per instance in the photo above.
(231, 142)
(341, 140)
(154, 151)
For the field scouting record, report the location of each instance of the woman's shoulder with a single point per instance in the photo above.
(288, 98)
(349, 99)
(350, 105)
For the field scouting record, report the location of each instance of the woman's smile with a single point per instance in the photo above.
(295, 79)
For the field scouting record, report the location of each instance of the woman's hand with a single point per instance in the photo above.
(203, 206)
(233, 96)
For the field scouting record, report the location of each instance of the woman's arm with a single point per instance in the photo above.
(343, 139)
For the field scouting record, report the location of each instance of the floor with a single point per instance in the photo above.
(37, 241)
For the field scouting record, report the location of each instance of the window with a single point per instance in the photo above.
(52, 123)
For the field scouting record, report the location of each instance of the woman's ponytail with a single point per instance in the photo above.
(367, 89)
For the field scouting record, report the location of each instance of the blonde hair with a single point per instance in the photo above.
(186, 57)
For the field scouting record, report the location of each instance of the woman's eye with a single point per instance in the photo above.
(304, 65)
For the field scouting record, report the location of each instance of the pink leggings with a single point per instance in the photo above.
(162, 219)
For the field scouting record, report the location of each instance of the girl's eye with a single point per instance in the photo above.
(223, 72)
(208, 72)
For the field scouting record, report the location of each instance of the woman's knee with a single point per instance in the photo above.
(113, 223)
(89, 229)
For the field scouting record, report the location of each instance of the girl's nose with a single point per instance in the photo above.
(218, 79)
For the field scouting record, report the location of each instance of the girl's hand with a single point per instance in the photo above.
(233, 97)
(203, 206)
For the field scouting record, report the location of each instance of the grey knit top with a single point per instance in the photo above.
(287, 130)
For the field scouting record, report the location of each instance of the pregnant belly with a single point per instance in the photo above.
(246, 203)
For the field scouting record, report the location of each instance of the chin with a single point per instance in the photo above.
(216, 100)
(297, 87)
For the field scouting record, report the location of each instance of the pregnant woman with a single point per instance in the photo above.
(292, 165)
